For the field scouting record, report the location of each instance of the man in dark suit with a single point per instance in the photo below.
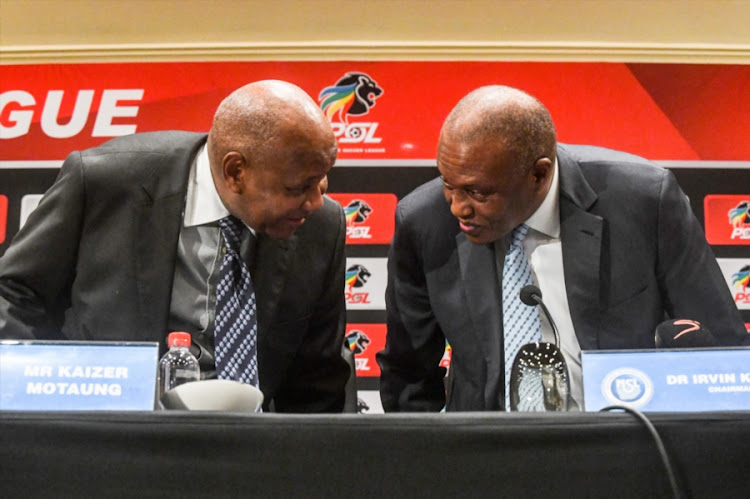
(612, 243)
(126, 245)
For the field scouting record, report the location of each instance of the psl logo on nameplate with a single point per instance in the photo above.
(736, 273)
(627, 386)
(365, 283)
(727, 218)
(353, 95)
(369, 217)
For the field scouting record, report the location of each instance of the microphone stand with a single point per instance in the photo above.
(539, 378)
(536, 296)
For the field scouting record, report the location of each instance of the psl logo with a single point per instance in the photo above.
(352, 95)
(628, 386)
(741, 280)
(356, 212)
(358, 342)
(739, 217)
(356, 277)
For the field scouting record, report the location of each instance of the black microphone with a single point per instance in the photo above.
(539, 378)
(683, 333)
(531, 295)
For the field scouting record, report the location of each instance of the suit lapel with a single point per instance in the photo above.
(158, 218)
(581, 234)
(269, 272)
(158, 222)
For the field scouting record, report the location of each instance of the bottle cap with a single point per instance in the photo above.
(178, 339)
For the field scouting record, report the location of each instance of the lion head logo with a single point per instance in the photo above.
(354, 94)
(356, 212)
(356, 276)
(358, 341)
(362, 406)
(742, 278)
(740, 215)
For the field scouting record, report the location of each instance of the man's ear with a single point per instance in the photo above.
(542, 171)
(233, 168)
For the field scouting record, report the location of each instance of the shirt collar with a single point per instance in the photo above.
(202, 204)
(546, 219)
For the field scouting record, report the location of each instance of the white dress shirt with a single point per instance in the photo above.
(543, 247)
(198, 251)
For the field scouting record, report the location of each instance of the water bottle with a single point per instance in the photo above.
(178, 365)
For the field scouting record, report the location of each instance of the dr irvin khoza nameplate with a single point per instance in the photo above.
(677, 380)
(77, 376)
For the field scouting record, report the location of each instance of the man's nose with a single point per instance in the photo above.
(460, 205)
(314, 199)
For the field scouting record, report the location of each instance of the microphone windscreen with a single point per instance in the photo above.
(539, 379)
(683, 333)
(213, 395)
(531, 295)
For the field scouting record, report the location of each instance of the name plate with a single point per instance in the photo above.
(76, 376)
(679, 380)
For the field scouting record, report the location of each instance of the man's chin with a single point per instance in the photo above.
(285, 229)
(477, 240)
(483, 237)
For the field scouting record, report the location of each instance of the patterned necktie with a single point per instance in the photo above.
(236, 329)
(521, 323)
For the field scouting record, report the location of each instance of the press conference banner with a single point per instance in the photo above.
(383, 110)
(387, 115)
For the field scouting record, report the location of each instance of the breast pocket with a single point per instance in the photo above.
(626, 300)
(630, 323)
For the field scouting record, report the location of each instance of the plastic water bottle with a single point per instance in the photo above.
(178, 365)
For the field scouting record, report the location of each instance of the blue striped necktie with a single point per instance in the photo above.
(236, 328)
(521, 324)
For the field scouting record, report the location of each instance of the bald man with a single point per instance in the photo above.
(127, 244)
(610, 240)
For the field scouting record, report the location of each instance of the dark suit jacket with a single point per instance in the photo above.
(633, 255)
(96, 259)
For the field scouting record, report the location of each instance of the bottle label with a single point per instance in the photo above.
(185, 373)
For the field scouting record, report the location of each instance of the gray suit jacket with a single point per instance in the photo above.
(96, 259)
(633, 255)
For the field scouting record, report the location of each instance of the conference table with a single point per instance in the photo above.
(528, 455)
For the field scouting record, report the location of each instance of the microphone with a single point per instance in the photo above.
(531, 295)
(683, 333)
(213, 395)
(539, 379)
